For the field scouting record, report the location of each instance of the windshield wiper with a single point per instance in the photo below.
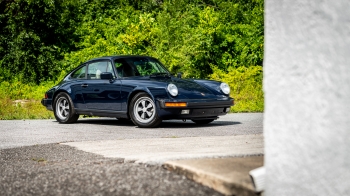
(165, 74)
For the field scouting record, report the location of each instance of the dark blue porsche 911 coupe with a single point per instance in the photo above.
(138, 88)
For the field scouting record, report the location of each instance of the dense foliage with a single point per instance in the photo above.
(187, 36)
(34, 37)
(246, 87)
(41, 40)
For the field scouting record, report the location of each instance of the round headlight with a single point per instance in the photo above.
(225, 88)
(173, 90)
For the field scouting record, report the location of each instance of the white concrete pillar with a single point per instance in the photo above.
(307, 97)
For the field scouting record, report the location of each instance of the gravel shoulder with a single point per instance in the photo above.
(54, 169)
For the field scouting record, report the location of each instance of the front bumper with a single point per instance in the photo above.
(196, 109)
(47, 103)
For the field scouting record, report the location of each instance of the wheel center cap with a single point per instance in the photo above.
(144, 109)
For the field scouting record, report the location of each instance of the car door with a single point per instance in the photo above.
(103, 95)
(78, 79)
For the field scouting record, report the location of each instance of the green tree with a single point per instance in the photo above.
(34, 36)
(188, 36)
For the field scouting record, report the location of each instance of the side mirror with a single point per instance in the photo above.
(106, 76)
(179, 75)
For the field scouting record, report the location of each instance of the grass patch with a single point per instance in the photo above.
(28, 109)
(41, 161)
(22, 101)
(171, 136)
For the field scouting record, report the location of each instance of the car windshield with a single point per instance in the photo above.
(139, 66)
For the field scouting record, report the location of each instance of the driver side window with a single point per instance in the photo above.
(124, 69)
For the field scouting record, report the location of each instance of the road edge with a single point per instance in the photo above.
(237, 185)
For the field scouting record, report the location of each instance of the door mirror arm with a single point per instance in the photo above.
(179, 75)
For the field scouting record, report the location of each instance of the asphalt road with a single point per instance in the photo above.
(17, 133)
(33, 162)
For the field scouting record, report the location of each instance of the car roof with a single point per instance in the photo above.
(116, 57)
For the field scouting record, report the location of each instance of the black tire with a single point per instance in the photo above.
(203, 122)
(63, 109)
(143, 111)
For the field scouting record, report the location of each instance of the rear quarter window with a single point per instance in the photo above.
(79, 74)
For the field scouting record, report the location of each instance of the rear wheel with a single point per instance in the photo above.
(143, 112)
(203, 122)
(64, 109)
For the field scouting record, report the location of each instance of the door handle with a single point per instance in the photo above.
(96, 90)
(84, 85)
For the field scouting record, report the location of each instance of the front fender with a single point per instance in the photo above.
(212, 85)
(153, 92)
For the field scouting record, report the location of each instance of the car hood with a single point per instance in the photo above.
(187, 88)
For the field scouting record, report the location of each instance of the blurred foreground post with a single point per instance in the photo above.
(307, 97)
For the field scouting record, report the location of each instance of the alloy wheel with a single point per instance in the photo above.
(144, 110)
(62, 108)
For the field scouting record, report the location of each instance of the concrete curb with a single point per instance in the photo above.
(229, 176)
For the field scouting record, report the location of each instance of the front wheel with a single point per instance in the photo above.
(203, 122)
(143, 111)
(64, 109)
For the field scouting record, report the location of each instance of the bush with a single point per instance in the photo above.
(187, 36)
(17, 90)
(246, 87)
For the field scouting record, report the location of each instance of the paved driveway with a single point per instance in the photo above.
(16, 133)
(33, 161)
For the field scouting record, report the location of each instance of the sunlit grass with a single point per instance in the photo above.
(22, 101)
(24, 109)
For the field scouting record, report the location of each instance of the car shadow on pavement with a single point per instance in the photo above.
(189, 124)
(165, 124)
(105, 121)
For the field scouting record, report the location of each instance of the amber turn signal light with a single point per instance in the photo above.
(177, 104)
